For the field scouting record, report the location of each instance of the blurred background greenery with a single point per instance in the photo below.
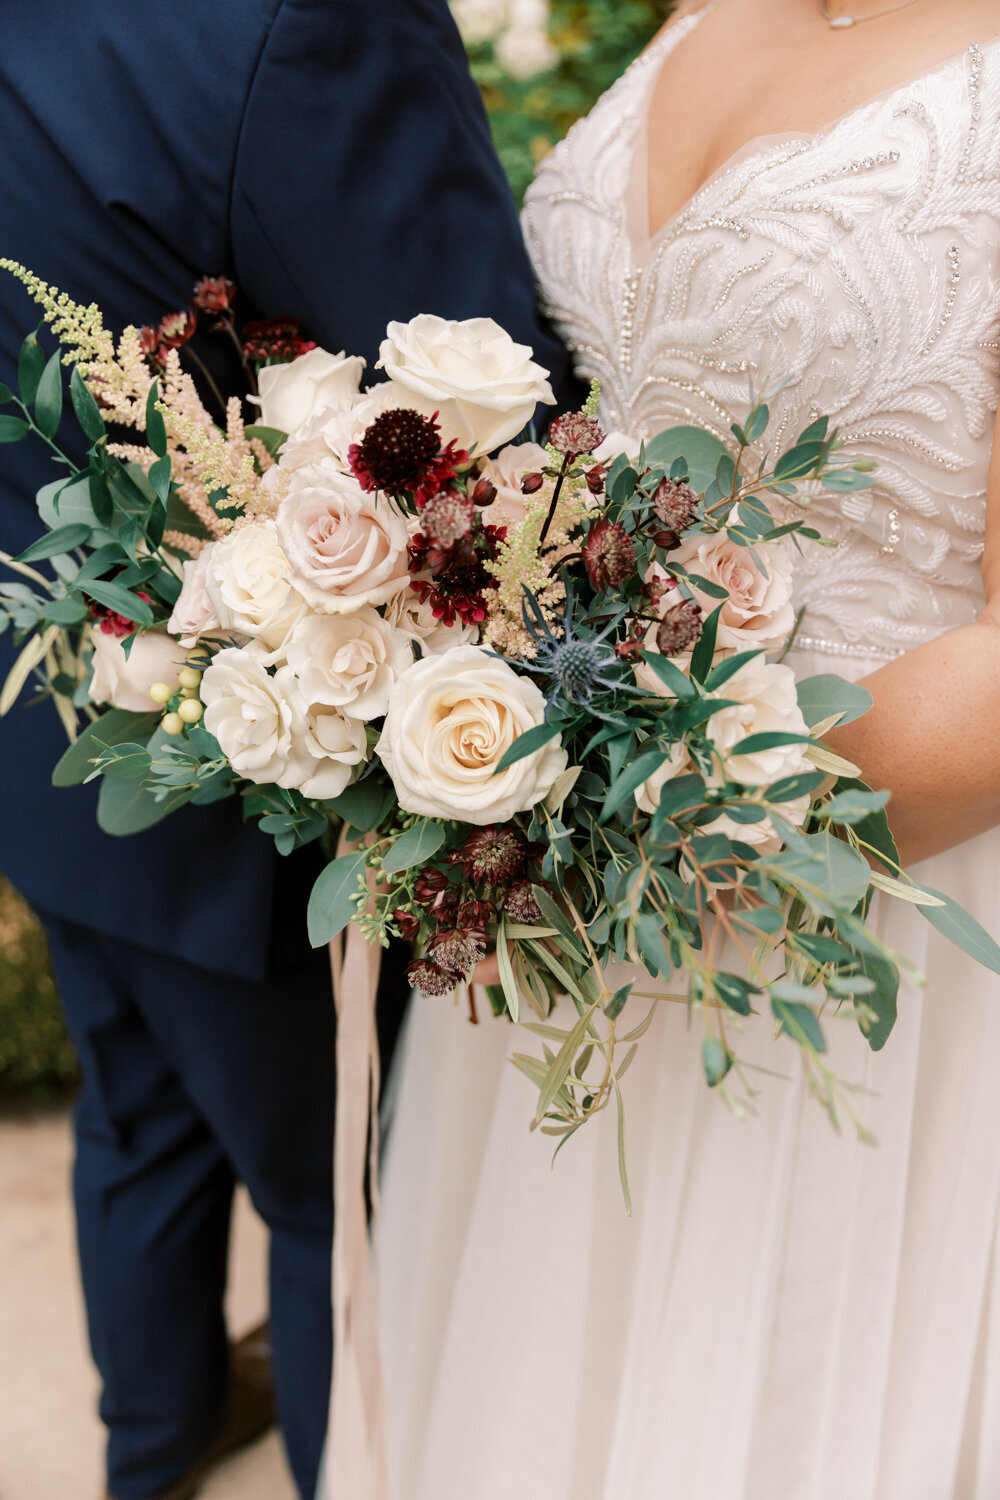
(541, 64)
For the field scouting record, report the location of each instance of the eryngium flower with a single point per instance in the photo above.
(679, 628)
(520, 904)
(458, 951)
(575, 434)
(395, 452)
(494, 855)
(675, 504)
(608, 555)
(579, 668)
(429, 979)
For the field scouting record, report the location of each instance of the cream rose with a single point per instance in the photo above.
(419, 623)
(765, 702)
(526, 51)
(194, 613)
(759, 609)
(253, 715)
(125, 682)
(349, 662)
(248, 581)
(647, 797)
(291, 393)
(506, 472)
(346, 548)
(487, 387)
(451, 720)
(326, 748)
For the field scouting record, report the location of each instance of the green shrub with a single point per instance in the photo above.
(597, 39)
(35, 1052)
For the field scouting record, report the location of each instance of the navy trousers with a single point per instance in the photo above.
(193, 1081)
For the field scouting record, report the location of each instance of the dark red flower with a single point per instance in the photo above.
(679, 628)
(407, 924)
(484, 493)
(668, 540)
(458, 951)
(149, 343)
(274, 341)
(575, 434)
(428, 886)
(429, 979)
(214, 294)
(401, 454)
(532, 483)
(459, 579)
(675, 504)
(494, 855)
(595, 479)
(476, 914)
(177, 329)
(608, 555)
(520, 905)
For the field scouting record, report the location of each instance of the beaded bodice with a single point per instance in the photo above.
(855, 272)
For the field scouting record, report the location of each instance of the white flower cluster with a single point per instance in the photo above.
(322, 633)
(518, 29)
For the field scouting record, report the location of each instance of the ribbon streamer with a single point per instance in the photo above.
(355, 1467)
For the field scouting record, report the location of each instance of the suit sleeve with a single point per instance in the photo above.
(366, 187)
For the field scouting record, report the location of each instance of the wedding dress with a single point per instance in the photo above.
(790, 1314)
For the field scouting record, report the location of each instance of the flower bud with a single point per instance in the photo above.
(532, 483)
(595, 479)
(484, 493)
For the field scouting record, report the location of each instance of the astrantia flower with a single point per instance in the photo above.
(608, 555)
(478, 914)
(675, 505)
(494, 855)
(429, 979)
(407, 924)
(575, 434)
(447, 519)
(275, 341)
(520, 904)
(679, 628)
(458, 951)
(429, 886)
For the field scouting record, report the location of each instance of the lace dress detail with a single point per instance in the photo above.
(853, 272)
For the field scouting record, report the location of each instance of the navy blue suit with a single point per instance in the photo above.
(332, 157)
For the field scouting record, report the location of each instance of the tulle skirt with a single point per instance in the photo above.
(789, 1314)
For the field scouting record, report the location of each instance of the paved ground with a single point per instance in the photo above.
(50, 1440)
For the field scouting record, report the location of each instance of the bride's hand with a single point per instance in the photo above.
(488, 971)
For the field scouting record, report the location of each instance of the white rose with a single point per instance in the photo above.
(253, 715)
(526, 51)
(759, 610)
(290, 394)
(326, 748)
(506, 472)
(419, 623)
(194, 613)
(451, 720)
(331, 432)
(349, 662)
(765, 702)
(346, 548)
(487, 387)
(248, 581)
(647, 797)
(125, 683)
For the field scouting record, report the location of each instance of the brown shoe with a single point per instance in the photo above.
(248, 1414)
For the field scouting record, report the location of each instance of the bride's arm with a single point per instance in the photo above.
(933, 738)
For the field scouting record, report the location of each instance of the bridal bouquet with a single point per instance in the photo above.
(536, 689)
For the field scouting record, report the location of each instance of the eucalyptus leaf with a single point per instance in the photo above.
(115, 727)
(715, 1060)
(698, 448)
(127, 807)
(800, 1022)
(823, 696)
(331, 903)
(962, 929)
(527, 744)
(414, 847)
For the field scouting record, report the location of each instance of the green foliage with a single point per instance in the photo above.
(597, 40)
(35, 1052)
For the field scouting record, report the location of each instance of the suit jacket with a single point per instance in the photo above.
(330, 156)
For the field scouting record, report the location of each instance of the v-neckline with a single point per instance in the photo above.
(663, 47)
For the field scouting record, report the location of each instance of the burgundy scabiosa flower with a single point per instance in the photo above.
(401, 453)
(608, 555)
(575, 434)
